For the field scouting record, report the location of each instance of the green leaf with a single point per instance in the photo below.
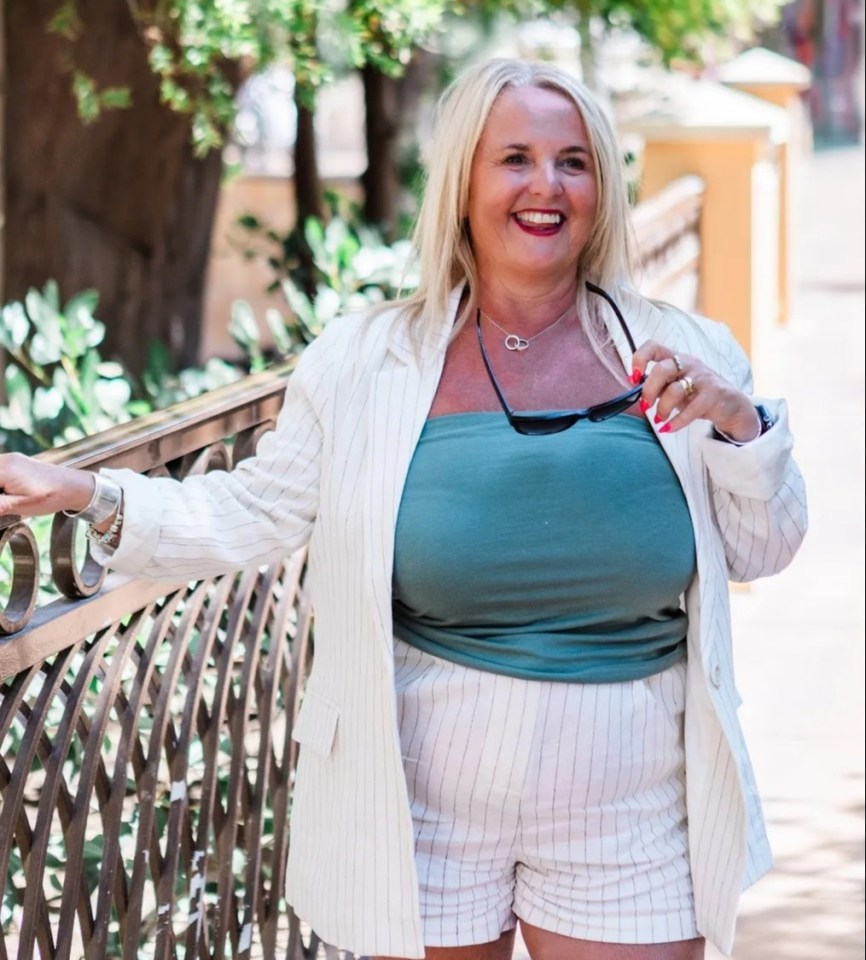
(19, 400)
(47, 403)
(314, 234)
(88, 370)
(14, 326)
(243, 325)
(51, 296)
(298, 302)
(116, 98)
(92, 330)
(87, 298)
(92, 849)
(161, 58)
(69, 435)
(159, 359)
(83, 330)
(47, 344)
(328, 304)
(277, 325)
(86, 98)
(112, 395)
(217, 373)
(66, 21)
(110, 369)
(71, 390)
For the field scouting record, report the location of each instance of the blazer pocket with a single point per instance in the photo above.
(316, 725)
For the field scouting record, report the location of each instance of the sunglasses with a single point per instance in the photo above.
(555, 421)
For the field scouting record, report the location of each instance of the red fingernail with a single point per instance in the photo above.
(635, 376)
(665, 429)
(644, 405)
(657, 419)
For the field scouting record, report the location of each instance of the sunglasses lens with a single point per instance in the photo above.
(542, 426)
(609, 410)
(604, 411)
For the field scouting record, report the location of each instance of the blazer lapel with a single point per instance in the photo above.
(647, 322)
(400, 399)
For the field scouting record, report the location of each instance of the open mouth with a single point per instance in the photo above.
(539, 222)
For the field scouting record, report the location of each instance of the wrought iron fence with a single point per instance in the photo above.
(146, 759)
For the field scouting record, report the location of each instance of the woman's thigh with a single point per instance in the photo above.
(543, 945)
(500, 949)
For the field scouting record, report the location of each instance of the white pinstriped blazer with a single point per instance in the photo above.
(332, 475)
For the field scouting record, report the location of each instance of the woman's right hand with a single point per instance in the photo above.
(30, 488)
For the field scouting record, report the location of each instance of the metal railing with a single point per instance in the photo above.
(667, 235)
(146, 759)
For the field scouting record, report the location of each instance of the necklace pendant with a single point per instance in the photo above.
(513, 342)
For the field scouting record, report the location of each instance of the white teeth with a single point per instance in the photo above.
(530, 216)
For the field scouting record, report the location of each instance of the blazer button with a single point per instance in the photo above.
(716, 675)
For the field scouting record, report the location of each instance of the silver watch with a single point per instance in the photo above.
(105, 502)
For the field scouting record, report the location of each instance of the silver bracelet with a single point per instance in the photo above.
(111, 537)
(104, 503)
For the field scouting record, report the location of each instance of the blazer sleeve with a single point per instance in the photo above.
(260, 512)
(758, 492)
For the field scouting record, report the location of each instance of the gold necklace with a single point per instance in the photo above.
(517, 343)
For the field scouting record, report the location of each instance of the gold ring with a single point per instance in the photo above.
(687, 384)
(677, 363)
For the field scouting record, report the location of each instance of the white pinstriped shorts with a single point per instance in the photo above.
(561, 804)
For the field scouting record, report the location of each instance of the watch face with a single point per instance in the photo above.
(766, 420)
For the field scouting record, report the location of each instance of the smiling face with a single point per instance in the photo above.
(532, 190)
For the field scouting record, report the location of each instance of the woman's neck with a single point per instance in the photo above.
(526, 309)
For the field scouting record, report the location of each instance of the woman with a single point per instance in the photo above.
(521, 526)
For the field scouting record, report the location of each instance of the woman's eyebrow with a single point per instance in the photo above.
(524, 147)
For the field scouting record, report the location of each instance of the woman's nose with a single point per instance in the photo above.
(547, 180)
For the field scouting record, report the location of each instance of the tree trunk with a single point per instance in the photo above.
(587, 53)
(121, 204)
(381, 178)
(392, 114)
(308, 186)
(309, 197)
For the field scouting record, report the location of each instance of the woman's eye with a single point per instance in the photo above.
(515, 159)
(574, 163)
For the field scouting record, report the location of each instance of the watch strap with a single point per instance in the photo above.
(766, 421)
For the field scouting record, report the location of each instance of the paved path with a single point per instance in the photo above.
(799, 637)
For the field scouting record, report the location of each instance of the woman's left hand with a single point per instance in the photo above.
(686, 389)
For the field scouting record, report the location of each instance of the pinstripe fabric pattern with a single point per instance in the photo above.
(560, 803)
(331, 475)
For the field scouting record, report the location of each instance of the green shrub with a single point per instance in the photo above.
(59, 388)
(322, 271)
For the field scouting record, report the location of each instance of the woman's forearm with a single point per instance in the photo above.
(30, 488)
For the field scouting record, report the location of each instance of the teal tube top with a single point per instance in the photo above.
(560, 557)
